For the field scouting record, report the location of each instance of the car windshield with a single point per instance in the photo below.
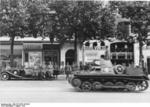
(97, 69)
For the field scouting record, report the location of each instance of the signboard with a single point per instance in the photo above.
(91, 55)
(35, 59)
(93, 49)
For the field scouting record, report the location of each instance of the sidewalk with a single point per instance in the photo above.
(61, 77)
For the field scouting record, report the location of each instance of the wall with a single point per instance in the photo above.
(5, 51)
(67, 46)
(146, 53)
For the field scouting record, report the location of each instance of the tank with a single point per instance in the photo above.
(104, 75)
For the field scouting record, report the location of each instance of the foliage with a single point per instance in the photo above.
(63, 20)
(12, 18)
(137, 11)
(84, 19)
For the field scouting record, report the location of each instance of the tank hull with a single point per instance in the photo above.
(96, 82)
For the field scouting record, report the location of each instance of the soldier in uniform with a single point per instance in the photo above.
(68, 70)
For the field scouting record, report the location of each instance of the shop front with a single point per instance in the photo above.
(51, 54)
(35, 51)
(5, 54)
(38, 53)
(32, 54)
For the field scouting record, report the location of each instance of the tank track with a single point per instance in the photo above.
(123, 82)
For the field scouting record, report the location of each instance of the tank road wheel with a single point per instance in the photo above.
(131, 86)
(142, 85)
(76, 82)
(96, 85)
(109, 84)
(4, 76)
(86, 86)
(119, 84)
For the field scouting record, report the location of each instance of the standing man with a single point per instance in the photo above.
(68, 70)
(56, 71)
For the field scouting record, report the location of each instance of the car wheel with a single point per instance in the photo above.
(4, 76)
(16, 72)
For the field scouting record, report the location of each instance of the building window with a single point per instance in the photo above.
(148, 42)
(26, 57)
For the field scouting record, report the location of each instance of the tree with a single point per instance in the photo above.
(81, 20)
(72, 20)
(12, 22)
(138, 12)
(39, 22)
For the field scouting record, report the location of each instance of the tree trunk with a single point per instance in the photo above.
(75, 49)
(12, 50)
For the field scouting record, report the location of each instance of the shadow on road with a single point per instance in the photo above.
(101, 91)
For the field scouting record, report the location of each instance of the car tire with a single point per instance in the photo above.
(4, 76)
(15, 72)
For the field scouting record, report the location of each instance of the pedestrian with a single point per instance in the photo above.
(8, 67)
(56, 71)
(51, 69)
(68, 70)
(62, 68)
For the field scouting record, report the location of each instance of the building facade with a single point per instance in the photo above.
(33, 51)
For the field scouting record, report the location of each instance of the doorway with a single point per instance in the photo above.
(51, 56)
(70, 57)
(148, 65)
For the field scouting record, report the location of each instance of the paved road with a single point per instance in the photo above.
(60, 91)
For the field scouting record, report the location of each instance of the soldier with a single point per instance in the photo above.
(68, 70)
(51, 68)
(56, 71)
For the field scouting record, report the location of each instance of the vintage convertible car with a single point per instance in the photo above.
(27, 73)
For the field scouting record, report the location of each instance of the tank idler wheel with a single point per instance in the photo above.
(86, 86)
(142, 85)
(76, 82)
(96, 85)
(131, 86)
(4, 76)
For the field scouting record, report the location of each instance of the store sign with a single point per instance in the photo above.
(35, 59)
(51, 46)
(32, 46)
